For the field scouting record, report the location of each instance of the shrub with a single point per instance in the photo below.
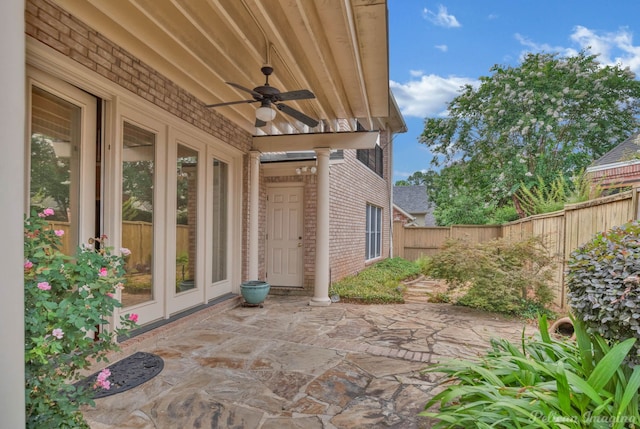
(379, 283)
(544, 383)
(603, 279)
(461, 210)
(543, 197)
(501, 275)
(504, 214)
(65, 300)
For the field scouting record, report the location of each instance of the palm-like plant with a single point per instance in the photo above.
(546, 383)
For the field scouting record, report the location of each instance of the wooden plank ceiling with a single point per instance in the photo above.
(338, 49)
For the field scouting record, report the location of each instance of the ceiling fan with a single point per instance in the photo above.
(269, 96)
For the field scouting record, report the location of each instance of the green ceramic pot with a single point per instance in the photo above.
(254, 292)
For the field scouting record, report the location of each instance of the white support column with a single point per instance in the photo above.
(321, 288)
(254, 209)
(12, 200)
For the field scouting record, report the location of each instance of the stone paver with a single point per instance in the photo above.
(288, 365)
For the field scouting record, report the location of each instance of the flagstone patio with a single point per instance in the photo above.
(289, 365)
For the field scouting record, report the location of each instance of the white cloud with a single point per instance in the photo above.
(406, 174)
(443, 48)
(542, 47)
(416, 73)
(442, 18)
(429, 96)
(611, 47)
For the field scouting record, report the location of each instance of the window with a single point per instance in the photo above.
(220, 224)
(186, 218)
(138, 182)
(372, 158)
(373, 239)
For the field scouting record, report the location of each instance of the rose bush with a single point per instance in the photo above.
(68, 301)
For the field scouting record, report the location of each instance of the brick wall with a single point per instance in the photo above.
(353, 186)
(400, 217)
(617, 176)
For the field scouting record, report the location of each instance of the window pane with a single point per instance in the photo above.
(378, 239)
(373, 232)
(367, 234)
(219, 232)
(55, 163)
(186, 218)
(138, 167)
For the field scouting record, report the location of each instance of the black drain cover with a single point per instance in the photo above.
(126, 374)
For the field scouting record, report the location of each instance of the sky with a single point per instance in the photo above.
(436, 47)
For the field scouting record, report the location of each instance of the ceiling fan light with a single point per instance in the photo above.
(265, 114)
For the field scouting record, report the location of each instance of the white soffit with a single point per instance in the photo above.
(338, 49)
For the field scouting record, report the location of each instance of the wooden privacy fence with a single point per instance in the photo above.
(562, 232)
(136, 236)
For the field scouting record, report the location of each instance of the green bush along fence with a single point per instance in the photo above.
(562, 231)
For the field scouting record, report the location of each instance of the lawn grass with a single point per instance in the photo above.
(378, 283)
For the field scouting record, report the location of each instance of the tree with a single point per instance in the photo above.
(50, 177)
(551, 116)
(417, 178)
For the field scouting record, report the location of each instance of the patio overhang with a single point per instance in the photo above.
(301, 142)
(338, 49)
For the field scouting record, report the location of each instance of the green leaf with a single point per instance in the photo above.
(564, 393)
(580, 385)
(609, 364)
(631, 392)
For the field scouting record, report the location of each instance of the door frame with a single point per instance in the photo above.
(180, 301)
(118, 103)
(88, 104)
(153, 309)
(268, 226)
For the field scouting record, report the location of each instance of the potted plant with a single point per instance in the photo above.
(254, 292)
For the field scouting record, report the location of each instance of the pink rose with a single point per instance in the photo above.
(133, 317)
(28, 264)
(101, 379)
(58, 333)
(44, 286)
(59, 232)
(124, 251)
(103, 272)
(110, 295)
(46, 212)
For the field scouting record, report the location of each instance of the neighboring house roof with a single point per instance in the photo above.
(625, 151)
(414, 200)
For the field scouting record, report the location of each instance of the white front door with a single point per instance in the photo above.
(284, 235)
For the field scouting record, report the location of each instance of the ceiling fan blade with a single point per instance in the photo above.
(302, 94)
(260, 123)
(256, 95)
(297, 115)
(228, 103)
